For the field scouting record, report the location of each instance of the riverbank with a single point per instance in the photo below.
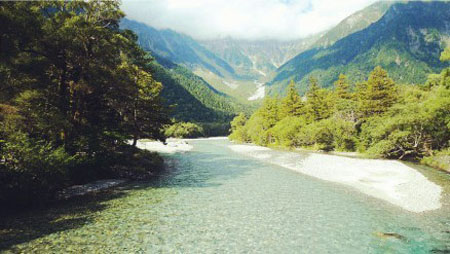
(391, 181)
(172, 145)
(209, 199)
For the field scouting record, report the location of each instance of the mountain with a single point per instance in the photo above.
(260, 58)
(191, 98)
(353, 23)
(178, 48)
(172, 47)
(406, 41)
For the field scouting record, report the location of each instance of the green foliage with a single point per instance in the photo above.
(379, 118)
(291, 104)
(285, 131)
(406, 41)
(318, 101)
(328, 134)
(411, 129)
(440, 160)
(75, 88)
(445, 55)
(238, 131)
(184, 130)
(377, 94)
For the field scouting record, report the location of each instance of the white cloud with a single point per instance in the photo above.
(243, 19)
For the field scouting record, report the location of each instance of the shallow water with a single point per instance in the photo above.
(212, 200)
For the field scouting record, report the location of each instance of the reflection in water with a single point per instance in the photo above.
(213, 200)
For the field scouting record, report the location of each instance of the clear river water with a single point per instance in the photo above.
(212, 200)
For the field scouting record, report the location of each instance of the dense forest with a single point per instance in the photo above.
(376, 117)
(74, 89)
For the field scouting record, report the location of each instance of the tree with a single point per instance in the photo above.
(291, 104)
(238, 122)
(445, 55)
(342, 87)
(376, 95)
(77, 88)
(318, 101)
(345, 105)
(238, 130)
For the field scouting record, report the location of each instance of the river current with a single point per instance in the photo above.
(213, 200)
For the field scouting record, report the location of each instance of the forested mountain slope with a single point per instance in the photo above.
(191, 98)
(178, 48)
(406, 41)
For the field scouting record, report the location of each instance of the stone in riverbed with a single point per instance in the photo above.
(388, 235)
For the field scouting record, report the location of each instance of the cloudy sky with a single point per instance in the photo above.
(243, 19)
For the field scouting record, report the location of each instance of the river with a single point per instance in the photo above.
(213, 200)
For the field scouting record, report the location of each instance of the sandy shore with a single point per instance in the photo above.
(388, 180)
(171, 146)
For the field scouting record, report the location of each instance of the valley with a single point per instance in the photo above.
(225, 126)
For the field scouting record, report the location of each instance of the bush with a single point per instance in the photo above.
(184, 130)
(285, 131)
(409, 130)
(440, 160)
(31, 170)
(329, 134)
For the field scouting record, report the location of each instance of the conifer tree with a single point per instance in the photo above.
(344, 105)
(317, 101)
(342, 87)
(291, 104)
(378, 94)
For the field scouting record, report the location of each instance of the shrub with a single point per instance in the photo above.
(31, 170)
(184, 130)
(284, 131)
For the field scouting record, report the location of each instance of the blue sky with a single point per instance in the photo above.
(243, 19)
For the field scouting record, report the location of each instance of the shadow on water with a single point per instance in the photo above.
(192, 170)
(37, 222)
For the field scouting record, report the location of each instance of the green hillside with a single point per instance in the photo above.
(191, 98)
(178, 48)
(406, 41)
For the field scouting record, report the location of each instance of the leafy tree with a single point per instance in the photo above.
(184, 130)
(285, 131)
(74, 88)
(412, 129)
(238, 130)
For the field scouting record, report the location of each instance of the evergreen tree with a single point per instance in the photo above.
(269, 112)
(378, 94)
(291, 104)
(345, 105)
(342, 87)
(318, 101)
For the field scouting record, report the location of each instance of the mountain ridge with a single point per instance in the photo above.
(406, 41)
